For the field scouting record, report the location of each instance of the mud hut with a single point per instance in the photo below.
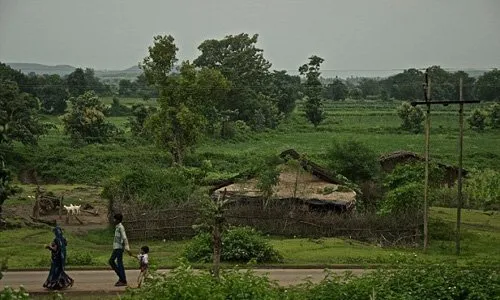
(389, 161)
(310, 186)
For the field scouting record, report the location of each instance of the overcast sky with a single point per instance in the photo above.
(350, 34)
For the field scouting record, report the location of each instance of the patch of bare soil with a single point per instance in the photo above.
(93, 210)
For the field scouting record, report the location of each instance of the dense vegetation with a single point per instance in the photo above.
(433, 282)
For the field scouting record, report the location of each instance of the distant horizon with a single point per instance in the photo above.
(324, 73)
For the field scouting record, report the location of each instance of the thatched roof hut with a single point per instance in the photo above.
(311, 185)
(389, 161)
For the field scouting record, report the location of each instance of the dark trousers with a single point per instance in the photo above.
(118, 266)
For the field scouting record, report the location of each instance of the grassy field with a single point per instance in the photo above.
(24, 247)
(374, 123)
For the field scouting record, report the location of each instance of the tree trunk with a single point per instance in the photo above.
(217, 246)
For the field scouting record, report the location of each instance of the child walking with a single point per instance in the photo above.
(143, 258)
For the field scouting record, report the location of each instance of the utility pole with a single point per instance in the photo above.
(427, 95)
(428, 102)
(460, 152)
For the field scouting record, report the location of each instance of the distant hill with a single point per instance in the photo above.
(132, 72)
(62, 70)
(27, 68)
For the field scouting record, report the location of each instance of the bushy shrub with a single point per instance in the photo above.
(431, 282)
(86, 121)
(414, 173)
(483, 189)
(157, 187)
(405, 187)
(239, 244)
(184, 283)
(9, 293)
(403, 199)
(494, 115)
(413, 283)
(354, 160)
(477, 120)
(80, 259)
(411, 117)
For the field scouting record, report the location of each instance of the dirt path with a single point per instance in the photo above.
(102, 281)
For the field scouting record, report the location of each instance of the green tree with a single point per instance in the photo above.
(313, 89)
(488, 86)
(369, 87)
(126, 88)
(411, 117)
(18, 122)
(93, 83)
(183, 98)
(162, 57)
(384, 95)
(337, 90)
(76, 83)
(284, 91)
(52, 94)
(244, 65)
(86, 121)
(356, 93)
(406, 85)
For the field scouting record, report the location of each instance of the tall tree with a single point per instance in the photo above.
(18, 122)
(337, 90)
(52, 93)
(369, 87)
(313, 89)
(86, 121)
(488, 86)
(76, 83)
(284, 91)
(243, 64)
(405, 86)
(183, 98)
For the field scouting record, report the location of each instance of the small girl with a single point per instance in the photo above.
(143, 258)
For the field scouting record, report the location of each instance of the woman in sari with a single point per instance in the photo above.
(58, 279)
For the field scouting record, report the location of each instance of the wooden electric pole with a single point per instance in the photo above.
(428, 103)
(427, 95)
(460, 152)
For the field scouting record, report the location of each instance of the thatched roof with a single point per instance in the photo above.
(403, 156)
(389, 161)
(312, 183)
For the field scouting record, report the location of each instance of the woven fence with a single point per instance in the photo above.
(287, 218)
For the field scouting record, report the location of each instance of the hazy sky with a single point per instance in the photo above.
(350, 34)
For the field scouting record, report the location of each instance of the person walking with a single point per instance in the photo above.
(120, 244)
(58, 279)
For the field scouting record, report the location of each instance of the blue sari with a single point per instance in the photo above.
(58, 279)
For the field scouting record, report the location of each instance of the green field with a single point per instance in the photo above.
(374, 123)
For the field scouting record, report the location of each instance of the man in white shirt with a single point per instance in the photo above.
(120, 244)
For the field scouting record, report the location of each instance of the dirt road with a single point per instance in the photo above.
(102, 281)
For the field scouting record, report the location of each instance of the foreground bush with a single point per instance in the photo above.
(430, 282)
(239, 244)
(9, 293)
